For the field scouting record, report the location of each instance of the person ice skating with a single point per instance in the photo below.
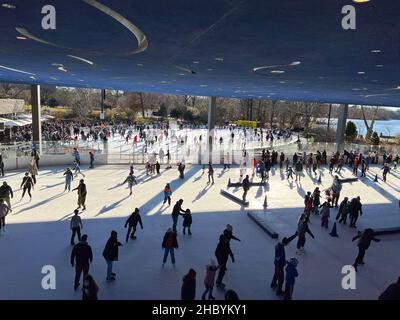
(77, 169)
(291, 275)
(77, 156)
(91, 159)
(90, 288)
(299, 169)
(176, 211)
(392, 292)
(36, 156)
(363, 244)
(316, 196)
(131, 223)
(279, 262)
(169, 244)
(32, 169)
(341, 207)
(110, 254)
(6, 194)
(1, 165)
(130, 179)
(81, 258)
(336, 187)
(386, 170)
(187, 221)
(76, 226)
(82, 192)
(158, 167)
(222, 253)
(181, 169)
(231, 295)
(4, 210)
(27, 184)
(302, 229)
(209, 280)
(227, 161)
(325, 213)
(167, 194)
(69, 177)
(228, 233)
(355, 209)
(289, 173)
(246, 187)
(188, 290)
(210, 173)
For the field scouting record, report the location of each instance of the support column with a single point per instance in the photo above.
(36, 124)
(341, 126)
(212, 112)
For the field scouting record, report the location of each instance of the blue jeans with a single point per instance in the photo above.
(175, 222)
(109, 268)
(166, 251)
(68, 184)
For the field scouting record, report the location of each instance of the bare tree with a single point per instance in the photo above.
(370, 127)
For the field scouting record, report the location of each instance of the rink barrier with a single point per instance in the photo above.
(252, 184)
(348, 180)
(234, 198)
(385, 231)
(260, 221)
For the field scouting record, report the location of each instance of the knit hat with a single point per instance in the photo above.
(229, 227)
(294, 261)
(192, 273)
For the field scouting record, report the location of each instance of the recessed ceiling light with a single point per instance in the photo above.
(62, 69)
(379, 65)
(277, 71)
(282, 81)
(376, 51)
(203, 85)
(219, 59)
(210, 69)
(196, 62)
(8, 6)
(361, 72)
(21, 38)
(361, 1)
(33, 77)
(181, 74)
(140, 65)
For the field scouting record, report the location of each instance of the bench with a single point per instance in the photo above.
(259, 219)
(234, 198)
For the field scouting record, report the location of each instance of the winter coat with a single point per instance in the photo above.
(336, 187)
(110, 252)
(32, 169)
(246, 184)
(170, 240)
(365, 239)
(223, 251)
(133, 220)
(187, 220)
(291, 274)
(81, 254)
(210, 275)
(355, 207)
(76, 222)
(188, 290)
(325, 211)
(280, 258)
(6, 191)
(89, 292)
(391, 293)
(167, 192)
(176, 211)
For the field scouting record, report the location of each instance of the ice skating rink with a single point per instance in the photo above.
(38, 234)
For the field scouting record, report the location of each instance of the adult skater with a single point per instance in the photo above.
(76, 226)
(77, 169)
(187, 221)
(27, 184)
(336, 187)
(69, 177)
(82, 192)
(392, 292)
(299, 169)
(158, 167)
(110, 254)
(4, 210)
(228, 233)
(279, 262)
(167, 194)
(363, 244)
(176, 211)
(33, 170)
(246, 187)
(386, 170)
(90, 288)
(131, 223)
(130, 179)
(1, 165)
(291, 275)
(6, 194)
(91, 159)
(222, 253)
(341, 207)
(36, 156)
(325, 214)
(169, 244)
(355, 209)
(188, 290)
(81, 258)
(210, 172)
(209, 280)
(302, 229)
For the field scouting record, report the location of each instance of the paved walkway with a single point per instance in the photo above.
(38, 234)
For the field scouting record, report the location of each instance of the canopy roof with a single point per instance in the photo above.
(280, 49)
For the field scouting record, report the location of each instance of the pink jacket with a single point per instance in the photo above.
(210, 275)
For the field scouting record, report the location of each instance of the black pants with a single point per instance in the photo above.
(75, 230)
(222, 270)
(130, 228)
(245, 194)
(29, 191)
(167, 199)
(301, 241)
(353, 219)
(384, 176)
(78, 272)
(227, 166)
(37, 163)
(34, 179)
(288, 291)
(278, 278)
(184, 230)
(360, 256)
(91, 163)
(2, 171)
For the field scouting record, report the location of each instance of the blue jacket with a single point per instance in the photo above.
(280, 258)
(291, 274)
